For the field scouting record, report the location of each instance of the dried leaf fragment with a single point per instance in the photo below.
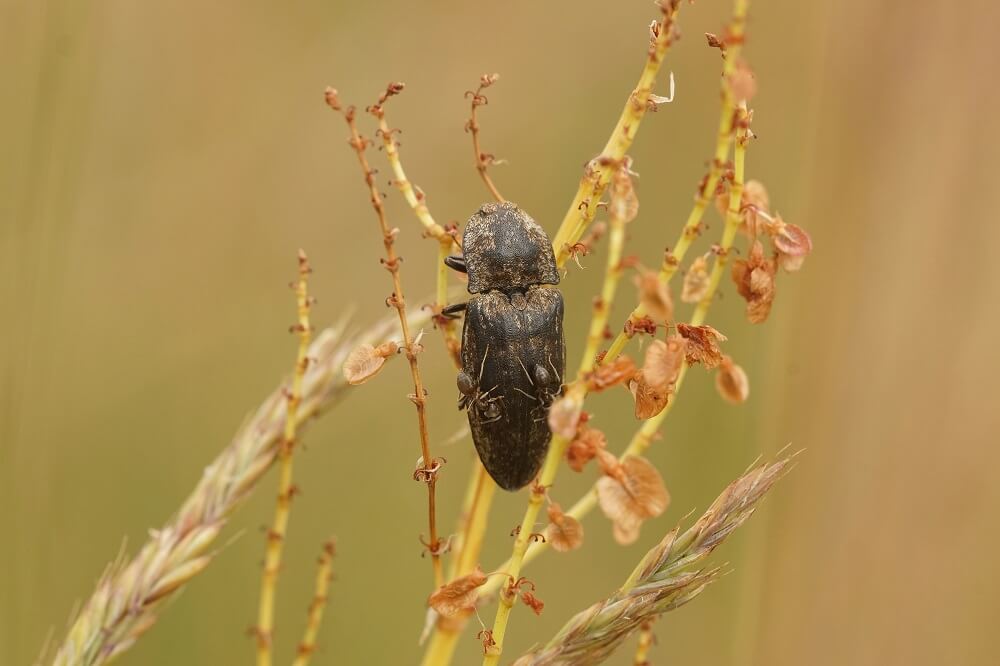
(695, 281)
(458, 595)
(611, 374)
(754, 278)
(654, 383)
(654, 295)
(584, 446)
(633, 494)
(731, 382)
(367, 361)
(564, 533)
(702, 344)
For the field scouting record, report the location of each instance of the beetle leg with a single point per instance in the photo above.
(526, 394)
(451, 311)
(456, 262)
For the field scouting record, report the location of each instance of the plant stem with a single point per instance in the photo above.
(429, 469)
(724, 137)
(324, 574)
(279, 527)
(597, 174)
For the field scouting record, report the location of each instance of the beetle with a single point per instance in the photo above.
(513, 350)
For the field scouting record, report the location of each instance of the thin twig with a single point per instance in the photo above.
(429, 467)
(598, 171)
(732, 46)
(264, 630)
(446, 237)
(324, 574)
(483, 160)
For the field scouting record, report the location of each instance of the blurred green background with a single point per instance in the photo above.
(162, 162)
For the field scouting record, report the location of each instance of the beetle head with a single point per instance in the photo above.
(507, 250)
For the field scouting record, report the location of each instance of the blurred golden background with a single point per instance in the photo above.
(162, 162)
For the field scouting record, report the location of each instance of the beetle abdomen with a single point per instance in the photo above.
(512, 348)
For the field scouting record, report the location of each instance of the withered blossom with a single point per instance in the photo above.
(564, 416)
(367, 361)
(754, 278)
(532, 602)
(633, 494)
(654, 382)
(695, 280)
(611, 374)
(458, 595)
(584, 446)
(564, 533)
(702, 344)
(792, 243)
(654, 295)
(731, 382)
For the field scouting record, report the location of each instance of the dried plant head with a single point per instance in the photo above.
(564, 416)
(731, 382)
(742, 82)
(754, 278)
(631, 494)
(584, 447)
(702, 344)
(564, 533)
(653, 384)
(696, 280)
(624, 204)
(457, 596)
(611, 374)
(367, 361)
(791, 242)
(654, 295)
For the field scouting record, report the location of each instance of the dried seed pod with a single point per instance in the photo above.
(564, 416)
(792, 243)
(458, 595)
(584, 446)
(754, 278)
(367, 361)
(742, 82)
(731, 382)
(635, 493)
(695, 281)
(654, 383)
(611, 374)
(654, 295)
(564, 532)
(702, 344)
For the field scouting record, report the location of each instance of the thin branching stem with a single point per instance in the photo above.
(264, 630)
(429, 466)
(598, 171)
(414, 196)
(483, 160)
(321, 587)
(672, 259)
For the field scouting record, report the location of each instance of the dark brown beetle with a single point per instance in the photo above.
(513, 352)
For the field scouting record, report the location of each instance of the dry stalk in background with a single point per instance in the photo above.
(428, 467)
(483, 160)
(324, 574)
(665, 579)
(129, 595)
(264, 631)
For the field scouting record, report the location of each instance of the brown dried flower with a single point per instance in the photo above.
(792, 243)
(584, 446)
(731, 382)
(695, 280)
(564, 416)
(564, 532)
(611, 374)
(633, 494)
(366, 361)
(654, 383)
(754, 278)
(458, 595)
(702, 344)
(654, 295)
(532, 602)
